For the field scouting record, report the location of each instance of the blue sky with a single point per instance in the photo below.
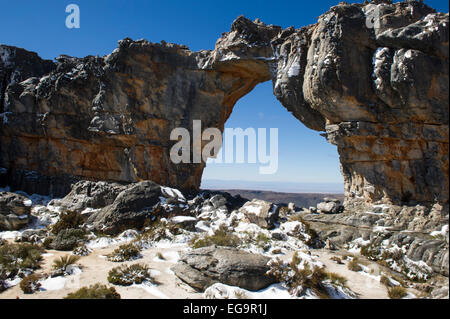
(304, 156)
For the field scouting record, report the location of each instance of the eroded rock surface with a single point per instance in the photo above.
(14, 211)
(203, 267)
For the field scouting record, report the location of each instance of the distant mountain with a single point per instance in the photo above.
(299, 199)
(282, 187)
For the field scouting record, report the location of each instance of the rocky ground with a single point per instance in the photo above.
(214, 245)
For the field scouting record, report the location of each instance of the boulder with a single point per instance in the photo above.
(14, 211)
(130, 208)
(203, 267)
(185, 222)
(262, 213)
(89, 194)
(330, 207)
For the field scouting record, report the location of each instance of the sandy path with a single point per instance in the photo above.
(95, 269)
(363, 284)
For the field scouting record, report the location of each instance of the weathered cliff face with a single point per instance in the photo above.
(379, 92)
(110, 118)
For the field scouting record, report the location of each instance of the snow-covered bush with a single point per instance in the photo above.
(129, 275)
(125, 252)
(301, 279)
(81, 251)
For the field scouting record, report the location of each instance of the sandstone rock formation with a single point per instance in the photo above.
(378, 90)
(203, 267)
(14, 211)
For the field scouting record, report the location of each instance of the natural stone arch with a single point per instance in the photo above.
(110, 118)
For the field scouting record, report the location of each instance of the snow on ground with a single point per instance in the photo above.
(56, 283)
(222, 291)
(152, 289)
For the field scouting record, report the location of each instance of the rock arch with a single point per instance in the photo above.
(379, 94)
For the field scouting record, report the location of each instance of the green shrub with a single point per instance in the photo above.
(97, 291)
(397, 292)
(262, 240)
(48, 242)
(68, 239)
(125, 252)
(60, 265)
(18, 257)
(353, 265)
(221, 237)
(30, 284)
(128, 275)
(68, 220)
(157, 230)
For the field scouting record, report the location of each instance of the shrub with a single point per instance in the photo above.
(48, 242)
(97, 291)
(397, 292)
(337, 260)
(221, 237)
(128, 275)
(68, 220)
(30, 284)
(297, 280)
(81, 251)
(68, 239)
(125, 252)
(18, 257)
(159, 255)
(262, 240)
(385, 281)
(337, 279)
(158, 230)
(60, 266)
(353, 265)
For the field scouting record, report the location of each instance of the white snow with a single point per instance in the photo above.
(181, 219)
(56, 283)
(101, 242)
(172, 192)
(222, 291)
(27, 202)
(13, 282)
(10, 234)
(441, 232)
(294, 70)
(151, 289)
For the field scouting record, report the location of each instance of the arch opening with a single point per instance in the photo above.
(306, 163)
